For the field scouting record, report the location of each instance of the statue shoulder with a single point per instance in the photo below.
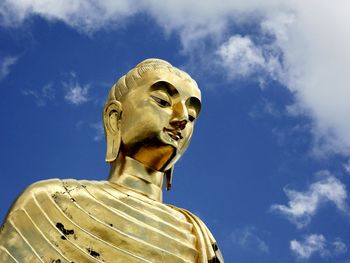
(42, 185)
(207, 244)
(48, 187)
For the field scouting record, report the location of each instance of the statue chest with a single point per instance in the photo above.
(82, 221)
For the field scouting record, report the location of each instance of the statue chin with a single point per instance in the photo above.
(160, 156)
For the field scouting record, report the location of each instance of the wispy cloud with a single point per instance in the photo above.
(339, 247)
(99, 131)
(249, 239)
(76, 93)
(347, 166)
(303, 205)
(41, 96)
(310, 245)
(96, 127)
(317, 244)
(5, 65)
(265, 108)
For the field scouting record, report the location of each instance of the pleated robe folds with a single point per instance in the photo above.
(60, 221)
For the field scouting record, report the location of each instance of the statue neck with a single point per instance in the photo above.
(136, 177)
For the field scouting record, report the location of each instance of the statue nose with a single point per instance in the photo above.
(178, 124)
(180, 116)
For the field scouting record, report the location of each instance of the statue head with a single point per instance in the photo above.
(150, 114)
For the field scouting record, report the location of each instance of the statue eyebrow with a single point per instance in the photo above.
(172, 91)
(165, 86)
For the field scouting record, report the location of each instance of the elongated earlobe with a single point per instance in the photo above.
(169, 178)
(113, 145)
(111, 119)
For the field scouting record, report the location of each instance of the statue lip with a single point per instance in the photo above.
(173, 133)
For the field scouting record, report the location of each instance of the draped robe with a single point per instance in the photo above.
(97, 221)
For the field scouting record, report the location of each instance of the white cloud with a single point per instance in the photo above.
(248, 239)
(46, 93)
(314, 43)
(76, 94)
(5, 65)
(303, 205)
(84, 15)
(312, 244)
(241, 56)
(191, 19)
(308, 51)
(317, 244)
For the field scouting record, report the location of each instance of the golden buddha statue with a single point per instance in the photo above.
(148, 119)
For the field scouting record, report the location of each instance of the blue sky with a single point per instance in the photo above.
(268, 168)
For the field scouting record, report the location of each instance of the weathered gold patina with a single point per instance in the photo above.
(148, 118)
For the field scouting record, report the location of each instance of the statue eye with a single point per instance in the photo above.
(191, 118)
(161, 102)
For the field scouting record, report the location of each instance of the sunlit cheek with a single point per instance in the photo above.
(187, 134)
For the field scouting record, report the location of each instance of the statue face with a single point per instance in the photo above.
(158, 118)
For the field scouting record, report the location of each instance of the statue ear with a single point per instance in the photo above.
(169, 178)
(111, 120)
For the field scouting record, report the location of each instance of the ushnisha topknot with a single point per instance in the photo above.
(134, 77)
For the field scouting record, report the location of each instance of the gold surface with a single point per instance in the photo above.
(148, 118)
